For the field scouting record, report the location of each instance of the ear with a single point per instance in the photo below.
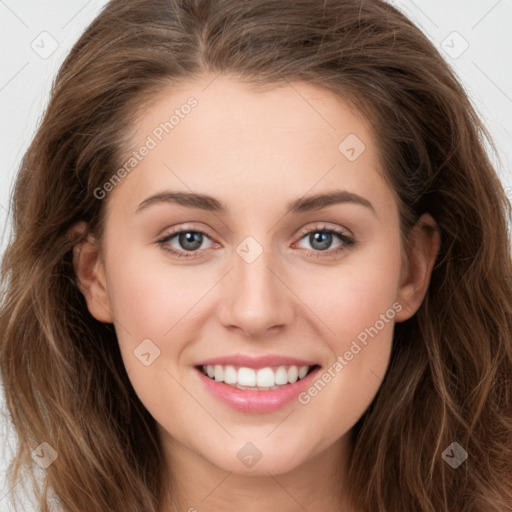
(90, 273)
(422, 249)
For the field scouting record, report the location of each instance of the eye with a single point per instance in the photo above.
(322, 237)
(190, 241)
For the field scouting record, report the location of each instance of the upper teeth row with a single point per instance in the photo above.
(263, 377)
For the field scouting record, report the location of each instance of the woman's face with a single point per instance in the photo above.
(269, 291)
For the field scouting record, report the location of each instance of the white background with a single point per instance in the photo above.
(26, 76)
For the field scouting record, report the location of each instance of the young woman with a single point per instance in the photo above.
(260, 262)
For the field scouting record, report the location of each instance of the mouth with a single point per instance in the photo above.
(256, 384)
(256, 387)
(269, 378)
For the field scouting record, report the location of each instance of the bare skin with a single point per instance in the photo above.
(255, 151)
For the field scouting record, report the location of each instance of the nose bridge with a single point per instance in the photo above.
(255, 299)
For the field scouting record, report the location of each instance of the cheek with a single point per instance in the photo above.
(367, 297)
(154, 307)
(359, 306)
(149, 297)
(366, 327)
(352, 297)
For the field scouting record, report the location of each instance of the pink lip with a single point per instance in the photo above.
(255, 362)
(256, 401)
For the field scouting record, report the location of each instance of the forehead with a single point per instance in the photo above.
(227, 110)
(217, 134)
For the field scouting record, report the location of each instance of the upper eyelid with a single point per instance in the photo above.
(178, 230)
(322, 226)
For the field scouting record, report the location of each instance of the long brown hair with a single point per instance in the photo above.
(450, 374)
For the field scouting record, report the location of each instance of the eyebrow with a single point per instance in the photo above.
(301, 205)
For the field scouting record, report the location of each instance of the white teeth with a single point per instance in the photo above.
(282, 375)
(293, 374)
(246, 377)
(303, 370)
(230, 375)
(219, 373)
(265, 378)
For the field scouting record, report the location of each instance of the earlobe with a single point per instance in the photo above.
(90, 274)
(422, 249)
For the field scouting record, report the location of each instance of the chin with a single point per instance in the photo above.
(253, 459)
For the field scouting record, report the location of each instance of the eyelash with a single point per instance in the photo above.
(347, 242)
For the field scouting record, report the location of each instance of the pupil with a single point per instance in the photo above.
(192, 238)
(323, 238)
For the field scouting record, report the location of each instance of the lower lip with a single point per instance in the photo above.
(256, 401)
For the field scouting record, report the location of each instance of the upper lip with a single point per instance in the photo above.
(256, 362)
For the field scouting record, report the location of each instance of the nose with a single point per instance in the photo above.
(255, 297)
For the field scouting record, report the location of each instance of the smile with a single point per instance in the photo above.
(252, 384)
(256, 379)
